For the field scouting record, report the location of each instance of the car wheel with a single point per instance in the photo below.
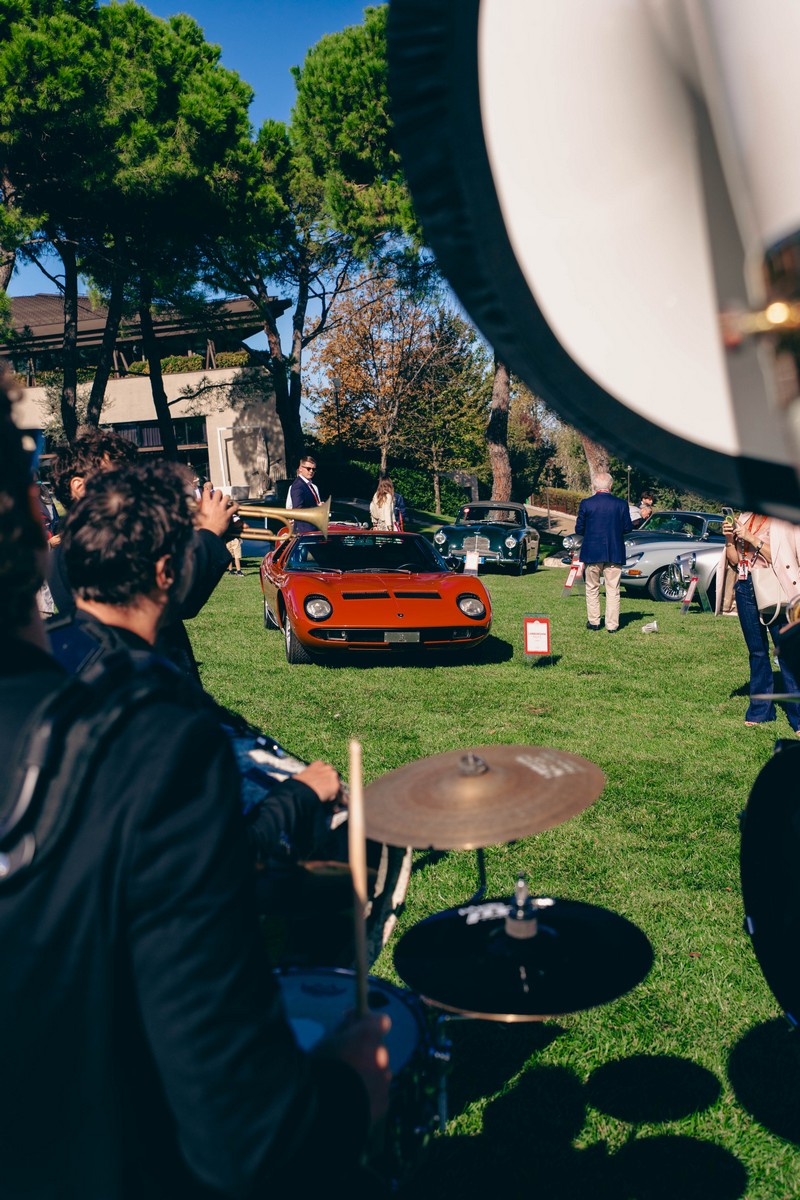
(523, 561)
(661, 586)
(295, 650)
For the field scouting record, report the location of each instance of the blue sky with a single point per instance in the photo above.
(262, 40)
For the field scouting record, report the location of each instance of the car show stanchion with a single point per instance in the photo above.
(536, 643)
(575, 584)
(685, 565)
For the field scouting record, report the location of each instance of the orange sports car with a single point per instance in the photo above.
(366, 590)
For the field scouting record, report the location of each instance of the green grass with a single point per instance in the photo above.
(708, 1079)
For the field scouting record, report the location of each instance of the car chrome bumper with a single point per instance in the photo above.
(380, 639)
(488, 556)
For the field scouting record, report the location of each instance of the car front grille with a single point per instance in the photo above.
(475, 543)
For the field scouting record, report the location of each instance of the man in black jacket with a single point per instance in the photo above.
(144, 1046)
(111, 546)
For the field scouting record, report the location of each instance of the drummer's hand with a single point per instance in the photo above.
(215, 512)
(359, 1042)
(322, 779)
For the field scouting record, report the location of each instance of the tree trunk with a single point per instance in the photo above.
(153, 356)
(106, 358)
(497, 432)
(7, 260)
(286, 386)
(596, 457)
(69, 390)
(437, 493)
(7, 257)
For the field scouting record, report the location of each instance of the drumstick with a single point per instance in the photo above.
(357, 847)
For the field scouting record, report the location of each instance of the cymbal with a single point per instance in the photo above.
(462, 800)
(463, 960)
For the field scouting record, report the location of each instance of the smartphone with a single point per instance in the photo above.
(727, 514)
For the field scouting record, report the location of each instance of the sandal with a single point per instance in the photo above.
(752, 724)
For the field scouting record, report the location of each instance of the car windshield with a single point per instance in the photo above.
(478, 513)
(674, 522)
(363, 552)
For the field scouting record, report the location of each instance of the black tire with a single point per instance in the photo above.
(661, 587)
(296, 652)
(523, 561)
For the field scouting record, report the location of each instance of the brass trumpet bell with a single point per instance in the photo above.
(319, 517)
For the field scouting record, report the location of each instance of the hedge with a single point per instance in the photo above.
(561, 499)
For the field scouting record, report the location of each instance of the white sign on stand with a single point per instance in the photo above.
(536, 634)
(471, 562)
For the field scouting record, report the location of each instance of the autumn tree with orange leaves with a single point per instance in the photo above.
(404, 376)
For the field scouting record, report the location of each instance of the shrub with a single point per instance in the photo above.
(562, 499)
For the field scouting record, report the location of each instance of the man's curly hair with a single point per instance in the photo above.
(21, 535)
(126, 521)
(93, 450)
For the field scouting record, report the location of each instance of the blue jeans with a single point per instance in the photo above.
(758, 645)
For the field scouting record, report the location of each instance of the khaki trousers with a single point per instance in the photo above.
(612, 575)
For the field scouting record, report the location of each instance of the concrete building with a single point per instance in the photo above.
(221, 399)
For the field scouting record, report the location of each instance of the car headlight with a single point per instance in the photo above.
(569, 542)
(439, 537)
(318, 608)
(510, 541)
(471, 606)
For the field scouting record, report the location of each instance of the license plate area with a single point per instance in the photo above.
(401, 635)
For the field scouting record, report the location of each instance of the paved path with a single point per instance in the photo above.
(560, 522)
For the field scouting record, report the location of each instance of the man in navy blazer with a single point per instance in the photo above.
(603, 520)
(303, 493)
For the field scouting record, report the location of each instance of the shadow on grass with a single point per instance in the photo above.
(488, 653)
(778, 685)
(650, 1088)
(527, 1147)
(764, 1071)
(631, 618)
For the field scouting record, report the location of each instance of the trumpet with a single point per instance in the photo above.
(318, 516)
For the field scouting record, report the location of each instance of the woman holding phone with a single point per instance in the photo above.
(758, 543)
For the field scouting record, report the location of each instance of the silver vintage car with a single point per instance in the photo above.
(653, 547)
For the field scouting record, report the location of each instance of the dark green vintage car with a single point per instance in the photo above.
(499, 532)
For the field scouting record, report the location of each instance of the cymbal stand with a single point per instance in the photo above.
(441, 1053)
(481, 892)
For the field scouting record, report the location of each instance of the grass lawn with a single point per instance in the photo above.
(687, 1087)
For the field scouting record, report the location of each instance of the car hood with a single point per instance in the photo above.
(386, 584)
(483, 528)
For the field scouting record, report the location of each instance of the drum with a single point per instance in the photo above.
(769, 853)
(316, 1001)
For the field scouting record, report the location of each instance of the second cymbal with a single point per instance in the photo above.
(463, 800)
